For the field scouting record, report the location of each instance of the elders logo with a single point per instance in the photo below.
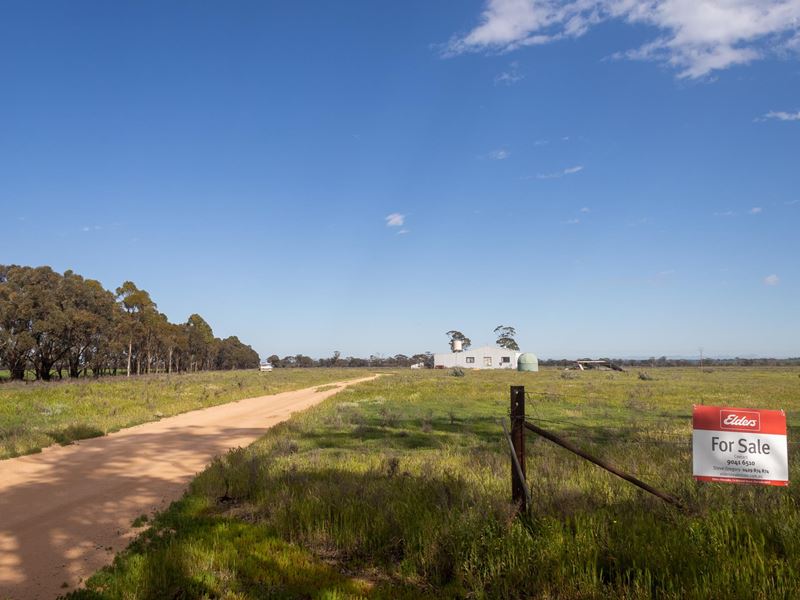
(739, 420)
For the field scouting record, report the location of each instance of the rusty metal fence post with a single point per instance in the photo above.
(518, 495)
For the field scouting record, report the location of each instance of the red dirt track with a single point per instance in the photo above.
(66, 511)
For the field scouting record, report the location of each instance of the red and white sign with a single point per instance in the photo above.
(740, 445)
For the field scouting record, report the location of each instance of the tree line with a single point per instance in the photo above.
(424, 359)
(663, 361)
(51, 324)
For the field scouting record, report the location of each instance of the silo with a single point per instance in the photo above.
(457, 345)
(527, 361)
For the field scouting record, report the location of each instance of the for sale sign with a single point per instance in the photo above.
(740, 445)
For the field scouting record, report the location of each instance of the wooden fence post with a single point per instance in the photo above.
(518, 441)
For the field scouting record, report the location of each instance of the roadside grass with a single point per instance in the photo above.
(400, 487)
(37, 415)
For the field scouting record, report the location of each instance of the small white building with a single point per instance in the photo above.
(485, 357)
(265, 367)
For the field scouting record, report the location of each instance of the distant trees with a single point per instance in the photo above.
(233, 354)
(398, 360)
(663, 361)
(52, 323)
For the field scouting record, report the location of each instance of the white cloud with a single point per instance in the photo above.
(558, 174)
(403, 232)
(696, 37)
(727, 213)
(772, 280)
(780, 116)
(756, 210)
(586, 209)
(500, 154)
(395, 220)
(510, 76)
(791, 202)
(541, 142)
(572, 222)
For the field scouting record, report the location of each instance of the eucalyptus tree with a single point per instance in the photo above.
(233, 354)
(505, 337)
(16, 341)
(137, 305)
(48, 318)
(455, 336)
(89, 310)
(200, 339)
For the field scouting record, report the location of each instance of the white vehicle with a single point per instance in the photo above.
(265, 367)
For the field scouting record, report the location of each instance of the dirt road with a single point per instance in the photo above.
(66, 511)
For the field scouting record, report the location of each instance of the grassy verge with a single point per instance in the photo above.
(399, 488)
(36, 415)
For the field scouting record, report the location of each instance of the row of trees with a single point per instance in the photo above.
(52, 323)
(663, 361)
(337, 360)
(426, 359)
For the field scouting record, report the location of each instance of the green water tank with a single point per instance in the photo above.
(527, 361)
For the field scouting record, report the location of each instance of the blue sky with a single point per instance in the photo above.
(612, 178)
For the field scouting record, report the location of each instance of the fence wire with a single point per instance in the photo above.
(616, 433)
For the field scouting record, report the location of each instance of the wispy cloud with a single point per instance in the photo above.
(562, 173)
(772, 280)
(791, 202)
(395, 220)
(510, 76)
(695, 37)
(586, 209)
(756, 210)
(780, 115)
(727, 213)
(572, 221)
(541, 142)
(403, 232)
(500, 154)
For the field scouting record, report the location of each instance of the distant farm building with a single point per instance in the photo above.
(603, 365)
(265, 367)
(485, 357)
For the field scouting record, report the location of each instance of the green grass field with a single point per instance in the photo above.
(400, 488)
(36, 415)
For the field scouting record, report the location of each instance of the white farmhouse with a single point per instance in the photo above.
(485, 357)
